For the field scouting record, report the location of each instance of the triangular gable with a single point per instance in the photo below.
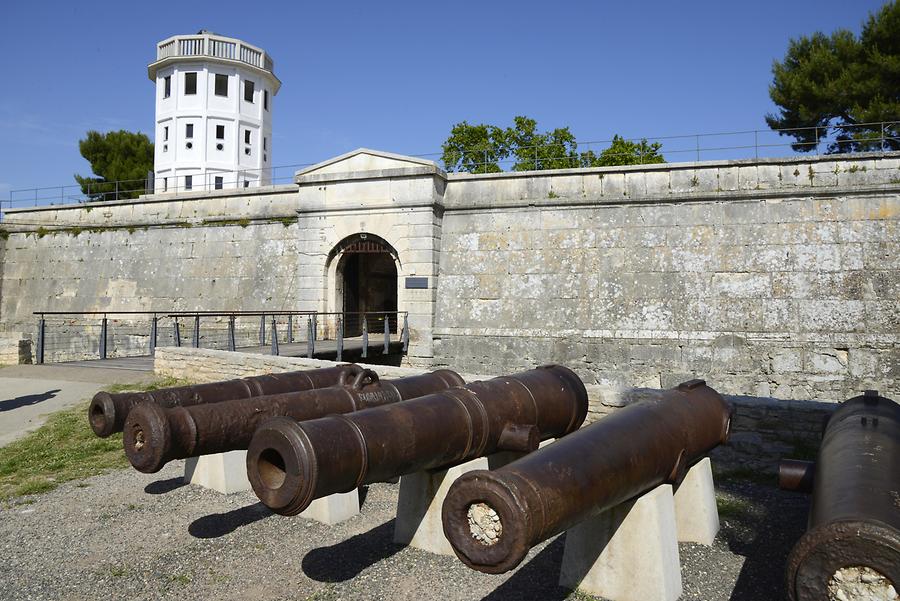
(364, 159)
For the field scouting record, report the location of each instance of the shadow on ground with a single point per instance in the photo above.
(537, 579)
(28, 399)
(765, 536)
(161, 487)
(346, 559)
(220, 524)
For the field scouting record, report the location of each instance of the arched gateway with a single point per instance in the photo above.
(365, 280)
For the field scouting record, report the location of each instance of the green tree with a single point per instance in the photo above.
(481, 148)
(533, 150)
(841, 80)
(121, 156)
(625, 152)
(475, 148)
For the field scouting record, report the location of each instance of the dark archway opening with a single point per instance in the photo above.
(369, 282)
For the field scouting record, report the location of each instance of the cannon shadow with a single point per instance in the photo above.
(345, 560)
(161, 487)
(765, 539)
(537, 579)
(220, 524)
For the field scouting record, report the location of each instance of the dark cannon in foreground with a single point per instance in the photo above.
(107, 411)
(854, 521)
(155, 435)
(492, 518)
(290, 463)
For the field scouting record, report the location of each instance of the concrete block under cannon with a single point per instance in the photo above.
(155, 435)
(107, 411)
(492, 518)
(290, 463)
(854, 521)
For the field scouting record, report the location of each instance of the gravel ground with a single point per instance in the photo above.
(127, 535)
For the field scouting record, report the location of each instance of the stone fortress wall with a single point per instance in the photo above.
(769, 277)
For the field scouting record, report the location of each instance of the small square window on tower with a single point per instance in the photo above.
(248, 90)
(167, 86)
(190, 83)
(219, 182)
(221, 85)
(220, 132)
(189, 130)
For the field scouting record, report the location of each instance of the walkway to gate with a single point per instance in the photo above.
(127, 340)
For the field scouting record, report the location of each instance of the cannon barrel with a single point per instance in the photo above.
(107, 411)
(854, 520)
(492, 518)
(155, 435)
(290, 463)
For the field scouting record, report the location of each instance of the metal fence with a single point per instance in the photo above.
(78, 336)
(882, 136)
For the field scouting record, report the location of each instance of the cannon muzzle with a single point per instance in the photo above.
(854, 521)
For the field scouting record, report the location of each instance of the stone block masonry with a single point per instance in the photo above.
(768, 278)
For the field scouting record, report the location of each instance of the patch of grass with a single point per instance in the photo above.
(324, 594)
(286, 221)
(732, 508)
(42, 231)
(63, 449)
(748, 475)
(166, 382)
(580, 596)
(552, 194)
(4, 234)
(118, 571)
(181, 579)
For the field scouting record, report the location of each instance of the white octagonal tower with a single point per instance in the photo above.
(214, 101)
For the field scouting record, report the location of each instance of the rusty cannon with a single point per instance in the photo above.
(154, 435)
(107, 411)
(492, 518)
(854, 520)
(291, 463)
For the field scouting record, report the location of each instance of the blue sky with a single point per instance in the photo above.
(397, 76)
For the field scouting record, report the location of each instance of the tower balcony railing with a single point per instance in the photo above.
(214, 46)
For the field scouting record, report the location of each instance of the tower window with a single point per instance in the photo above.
(189, 130)
(246, 136)
(167, 86)
(165, 184)
(188, 182)
(165, 133)
(246, 183)
(220, 146)
(248, 90)
(219, 182)
(264, 143)
(247, 151)
(266, 99)
(220, 132)
(190, 83)
(221, 85)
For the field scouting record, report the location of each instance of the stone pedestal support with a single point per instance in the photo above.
(227, 473)
(627, 553)
(696, 514)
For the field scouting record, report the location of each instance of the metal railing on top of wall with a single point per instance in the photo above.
(75, 336)
(882, 136)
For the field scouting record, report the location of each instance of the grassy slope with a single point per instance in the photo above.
(64, 448)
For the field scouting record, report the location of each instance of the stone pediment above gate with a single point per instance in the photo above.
(364, 163)
(370, 179)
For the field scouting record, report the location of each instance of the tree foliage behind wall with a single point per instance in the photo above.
(842, 80)
(121, 156)
(482, 148)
